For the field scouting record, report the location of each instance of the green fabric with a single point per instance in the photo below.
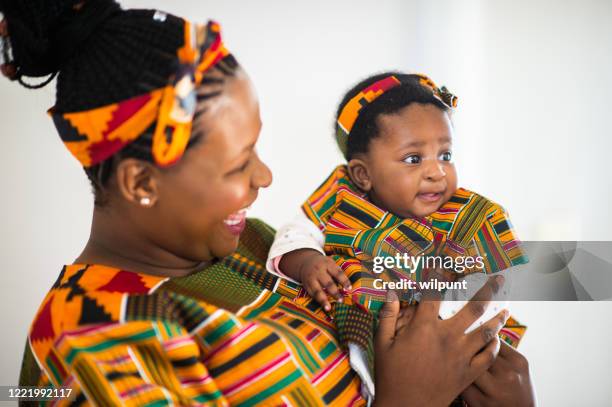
(235, 280)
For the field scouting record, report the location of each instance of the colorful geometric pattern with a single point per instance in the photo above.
(441, 93)
(356, 231)
(350, 112)
(123, 338)
(512, 332)
(94, 135)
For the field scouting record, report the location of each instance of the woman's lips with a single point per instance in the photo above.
(236, 222)
(430, 196)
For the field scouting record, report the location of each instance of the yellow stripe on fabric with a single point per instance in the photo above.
(103, 343)
(159, 369)
(94, 382)
(299, 345)
(266, 392)
(470, 219)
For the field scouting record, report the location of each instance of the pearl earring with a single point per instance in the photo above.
(145, 201)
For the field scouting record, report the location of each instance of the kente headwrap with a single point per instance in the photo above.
(94, 135)
(350, 112)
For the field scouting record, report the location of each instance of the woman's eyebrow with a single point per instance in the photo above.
(239, 156)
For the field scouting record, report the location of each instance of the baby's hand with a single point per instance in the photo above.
(320, 276)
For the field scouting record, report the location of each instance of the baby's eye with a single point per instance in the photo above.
(412, 159)
(447, 156)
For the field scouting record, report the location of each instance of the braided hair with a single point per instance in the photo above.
(365, 129)
(101, 55)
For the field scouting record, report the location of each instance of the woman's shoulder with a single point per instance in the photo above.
(86, 294)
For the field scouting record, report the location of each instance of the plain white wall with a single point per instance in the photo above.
(531, 133)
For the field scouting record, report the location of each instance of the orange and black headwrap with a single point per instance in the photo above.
(94, 135)
(352, 109)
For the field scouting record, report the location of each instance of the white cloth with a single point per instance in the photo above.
(300, 233)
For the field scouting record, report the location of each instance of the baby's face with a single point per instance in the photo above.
(410, 164)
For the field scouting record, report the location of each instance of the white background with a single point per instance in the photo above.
(532, 133)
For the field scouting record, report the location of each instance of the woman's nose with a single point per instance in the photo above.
(262, 177)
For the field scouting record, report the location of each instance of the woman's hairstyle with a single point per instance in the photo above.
(101, 55)
(393, 92)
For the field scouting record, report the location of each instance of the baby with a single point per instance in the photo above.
(397, 195)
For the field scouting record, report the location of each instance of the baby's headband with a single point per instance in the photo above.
(349, 114)
(94, 135)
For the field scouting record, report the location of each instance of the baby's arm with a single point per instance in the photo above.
(297, 254)
(299, 233)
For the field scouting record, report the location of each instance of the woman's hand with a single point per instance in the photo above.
(422, 360)
(506, 383)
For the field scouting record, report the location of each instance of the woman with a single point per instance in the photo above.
(169, 302)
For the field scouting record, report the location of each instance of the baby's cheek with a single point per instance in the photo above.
(451, 175)
(409, 186)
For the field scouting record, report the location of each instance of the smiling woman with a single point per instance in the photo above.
(169, 302)
(194, 211)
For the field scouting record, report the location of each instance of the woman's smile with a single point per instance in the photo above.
(236, 222)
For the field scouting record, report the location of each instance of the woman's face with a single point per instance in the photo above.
(201, 204)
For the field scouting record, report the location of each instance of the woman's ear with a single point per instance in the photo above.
(137, 182)
(358, 171)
